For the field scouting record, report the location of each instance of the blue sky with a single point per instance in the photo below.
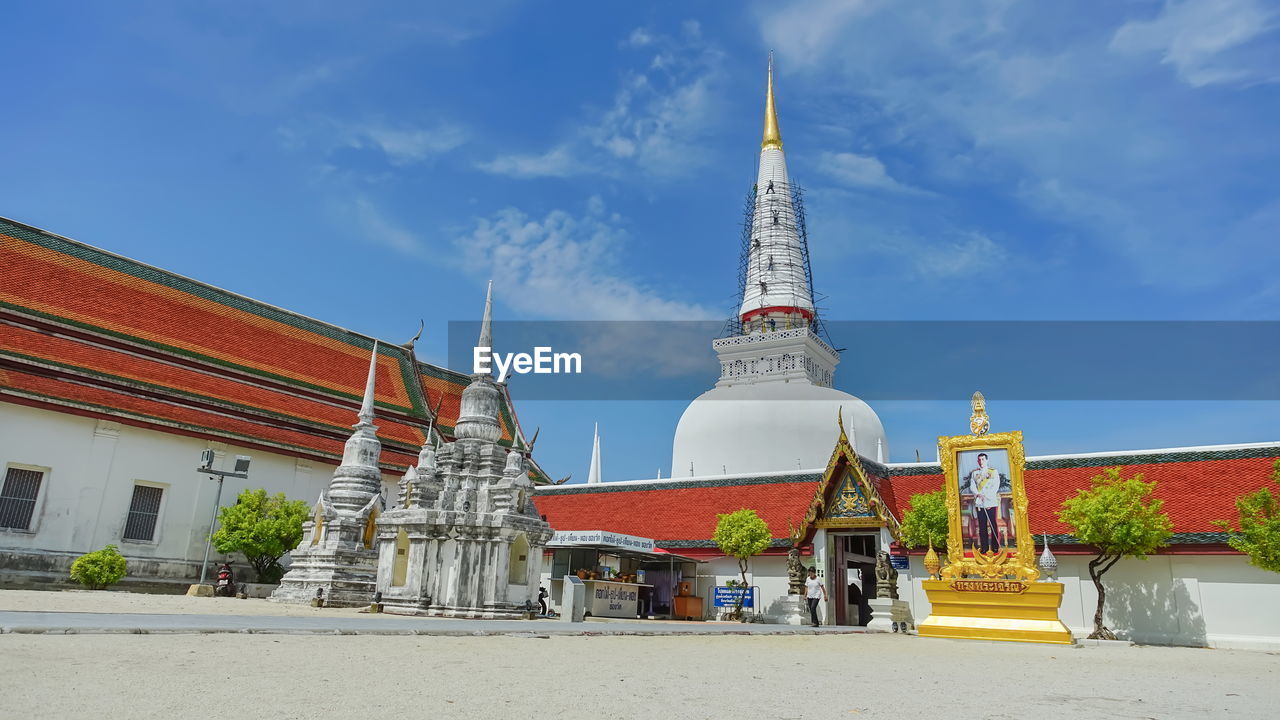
(370, 164)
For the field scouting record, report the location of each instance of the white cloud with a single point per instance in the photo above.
(971, 253)
(402, 144)
(408, 145)
(378, 229)
(656, 121)
(1197, 38)
(566, 264)
(861, 171)
(556, 162)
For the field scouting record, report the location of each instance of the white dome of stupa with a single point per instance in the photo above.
(766, 427)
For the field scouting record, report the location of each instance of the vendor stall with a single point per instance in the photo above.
(625, 576)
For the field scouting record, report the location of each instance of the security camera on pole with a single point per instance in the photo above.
(206, 466)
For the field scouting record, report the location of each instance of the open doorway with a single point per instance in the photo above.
(854, 560)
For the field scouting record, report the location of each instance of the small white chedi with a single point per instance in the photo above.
(464, 539)
(336, 560)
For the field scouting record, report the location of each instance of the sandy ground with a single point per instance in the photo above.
(126, 602)
(873, 676)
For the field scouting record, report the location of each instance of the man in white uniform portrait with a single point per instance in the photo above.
(984, 484)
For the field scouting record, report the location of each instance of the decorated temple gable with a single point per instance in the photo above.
(847, 496)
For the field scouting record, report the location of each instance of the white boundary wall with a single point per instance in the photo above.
(90, 469)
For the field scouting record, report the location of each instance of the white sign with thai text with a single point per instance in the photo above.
(564, 538)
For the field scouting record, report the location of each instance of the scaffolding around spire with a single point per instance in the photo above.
(763, 260)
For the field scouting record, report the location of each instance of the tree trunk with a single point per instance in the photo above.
(1097, 567)
(742, 568)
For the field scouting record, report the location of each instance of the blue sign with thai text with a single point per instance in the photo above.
(723, 596)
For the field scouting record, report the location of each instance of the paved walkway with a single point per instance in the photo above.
(369, 624)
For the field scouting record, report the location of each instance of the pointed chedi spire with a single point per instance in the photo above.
(486, 324)
(366, 406)
(593, 474)
(358, 479)
(481, 400)
(776, 290)
(772, 136)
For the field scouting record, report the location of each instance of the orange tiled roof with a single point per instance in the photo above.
(677, 513)
(84, 330)
(1198, 486)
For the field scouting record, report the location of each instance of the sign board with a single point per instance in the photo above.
(900, 562)
(570, 538)
(610, 599)
(728, 596)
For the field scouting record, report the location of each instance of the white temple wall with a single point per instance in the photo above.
(1218, 601)
(91, 467)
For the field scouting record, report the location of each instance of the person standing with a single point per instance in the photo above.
(814, 591)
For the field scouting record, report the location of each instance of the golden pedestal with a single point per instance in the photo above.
(989, 610)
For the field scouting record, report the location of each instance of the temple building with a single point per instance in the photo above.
(776, 437)
(116, 375)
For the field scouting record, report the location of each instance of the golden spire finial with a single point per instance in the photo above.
(772, 138)
(979, 423)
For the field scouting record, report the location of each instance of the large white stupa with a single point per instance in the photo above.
(773, 408)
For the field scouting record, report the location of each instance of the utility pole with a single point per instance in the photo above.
(206, 467)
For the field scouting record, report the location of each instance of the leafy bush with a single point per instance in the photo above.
(926, 522)
(262, 527)
(100, 568)
(1259, 534)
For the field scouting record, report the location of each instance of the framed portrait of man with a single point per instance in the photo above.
(986, 500)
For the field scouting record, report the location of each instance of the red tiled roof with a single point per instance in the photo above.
(679, 510)
(88, 331)
(1198, 486)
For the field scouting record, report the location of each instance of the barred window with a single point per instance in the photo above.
(18, 497)
(143, 512)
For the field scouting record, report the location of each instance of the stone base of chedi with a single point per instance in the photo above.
(345, 571)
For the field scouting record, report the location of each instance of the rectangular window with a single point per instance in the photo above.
(143, 512)
(18, 497)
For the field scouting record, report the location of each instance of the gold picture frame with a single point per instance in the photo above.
(1018, 564)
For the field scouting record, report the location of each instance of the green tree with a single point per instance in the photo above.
(742, 534)
(1120, 518)
(1259, 533)
(925, 522)
(262, 527)
(100, 568)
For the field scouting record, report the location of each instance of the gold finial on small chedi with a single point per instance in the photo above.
(979, 423)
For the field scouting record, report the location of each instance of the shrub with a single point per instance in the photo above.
(264, 528)
(100, 568)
